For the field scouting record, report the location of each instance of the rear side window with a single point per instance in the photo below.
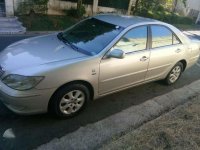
(162, 36)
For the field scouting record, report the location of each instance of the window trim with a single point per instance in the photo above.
(173, 34)
(147, 44)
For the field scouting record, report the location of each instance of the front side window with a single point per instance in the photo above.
(92, 35)
(162, 36)
(134, 40)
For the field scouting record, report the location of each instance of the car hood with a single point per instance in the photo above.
(36, 51)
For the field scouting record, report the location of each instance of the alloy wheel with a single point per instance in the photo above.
(72, 102)
(175, 74)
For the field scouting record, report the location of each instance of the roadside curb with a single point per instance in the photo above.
(94, 135)
(31, 33)
(40, 32)
(187, 32)
(170, 130)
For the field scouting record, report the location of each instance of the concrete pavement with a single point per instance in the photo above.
(178, 129)
(11, 25)
(93, 136)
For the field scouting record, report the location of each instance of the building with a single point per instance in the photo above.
(55, 7)
(192, 9)
(6, 8)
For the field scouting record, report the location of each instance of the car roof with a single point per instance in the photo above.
(124, 21)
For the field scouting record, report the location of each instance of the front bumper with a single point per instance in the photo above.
(25, 102)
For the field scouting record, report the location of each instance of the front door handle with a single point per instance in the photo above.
(178, 50)
(144, 58)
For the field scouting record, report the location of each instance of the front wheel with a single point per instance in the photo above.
(69, 100)
(174, 74)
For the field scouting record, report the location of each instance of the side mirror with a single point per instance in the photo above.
(116, 53)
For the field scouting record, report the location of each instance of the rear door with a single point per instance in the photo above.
(166, 50)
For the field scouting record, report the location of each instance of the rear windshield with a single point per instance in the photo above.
(92, 35)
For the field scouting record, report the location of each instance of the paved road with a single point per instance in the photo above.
(31, 131)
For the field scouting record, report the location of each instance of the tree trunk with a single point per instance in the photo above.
(198, 19)
(136, 6)
(79, 4)
(95, 7)
(175, 5)
(129, 7)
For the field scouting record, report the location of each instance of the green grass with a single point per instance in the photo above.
(187, 27)
(56, 23)
(46, 23)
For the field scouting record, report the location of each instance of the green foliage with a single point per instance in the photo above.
(83, 1)
(120, 4)
(71, 12)
(40, 2)
(144, 6)
(32, 6)
(184, 2)
(169, 17)
(46, 23)
(80, 9)
(161, 10)
(76, 13)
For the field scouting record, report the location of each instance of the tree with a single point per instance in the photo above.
(143, 6)
(79, 4)
(136, 6)
(80, 8)
(176, 3)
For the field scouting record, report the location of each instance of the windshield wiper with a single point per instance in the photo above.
(60, 37)
(64, 40)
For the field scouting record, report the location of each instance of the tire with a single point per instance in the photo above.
(174, 74)
(69, 100)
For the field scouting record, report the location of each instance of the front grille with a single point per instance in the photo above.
(1, 71)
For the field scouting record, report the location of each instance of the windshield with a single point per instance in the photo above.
(91, 36)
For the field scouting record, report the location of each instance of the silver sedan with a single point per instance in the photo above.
(100, 55)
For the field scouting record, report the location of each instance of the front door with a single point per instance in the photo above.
(116, 73)
(2, 8)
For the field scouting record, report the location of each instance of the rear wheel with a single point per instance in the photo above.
(174, 74)
(69, 100)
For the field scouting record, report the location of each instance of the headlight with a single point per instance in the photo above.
(21, 83)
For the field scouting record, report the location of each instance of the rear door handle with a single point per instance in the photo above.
(144, 58)
(178, 50)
